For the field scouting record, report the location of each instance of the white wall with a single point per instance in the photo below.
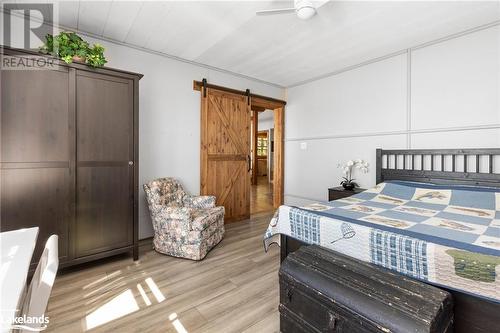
(266, 120)
(445, 95)
(169, 121)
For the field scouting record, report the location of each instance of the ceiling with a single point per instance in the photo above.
(278, 49)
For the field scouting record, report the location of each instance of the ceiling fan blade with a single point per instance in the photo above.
(276, 11)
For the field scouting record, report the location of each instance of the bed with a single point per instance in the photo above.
(434, 216)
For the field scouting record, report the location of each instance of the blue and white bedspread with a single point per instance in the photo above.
(444, 235)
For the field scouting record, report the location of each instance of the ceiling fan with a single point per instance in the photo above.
(305, 9)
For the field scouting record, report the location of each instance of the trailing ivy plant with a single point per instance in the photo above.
(68, 46)
(95, 56)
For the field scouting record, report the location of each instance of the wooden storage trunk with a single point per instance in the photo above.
(325, 291)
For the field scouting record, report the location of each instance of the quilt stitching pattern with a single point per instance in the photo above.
(400, 253)
(428, 211)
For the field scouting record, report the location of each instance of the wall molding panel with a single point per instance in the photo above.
(408, 53)
(440, 94)
(405, 132)
(408, 98)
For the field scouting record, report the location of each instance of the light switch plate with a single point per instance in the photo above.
(303, 145)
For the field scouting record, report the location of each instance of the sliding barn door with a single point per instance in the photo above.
(225, 151)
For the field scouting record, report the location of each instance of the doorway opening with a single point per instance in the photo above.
(262, 152)
(226, 150)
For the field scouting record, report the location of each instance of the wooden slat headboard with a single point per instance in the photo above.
(440, 166)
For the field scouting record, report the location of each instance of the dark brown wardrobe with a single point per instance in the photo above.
(69, 157)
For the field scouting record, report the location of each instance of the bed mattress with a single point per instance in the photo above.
(448, 236)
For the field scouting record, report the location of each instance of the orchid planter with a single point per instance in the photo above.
(349, 186)
(348, 182)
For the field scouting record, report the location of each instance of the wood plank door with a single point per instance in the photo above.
(225, 151)
(105, 168)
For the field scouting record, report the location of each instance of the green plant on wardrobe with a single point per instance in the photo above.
(70, 47)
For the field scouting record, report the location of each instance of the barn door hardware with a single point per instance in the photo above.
(247, 92)
(204, 82)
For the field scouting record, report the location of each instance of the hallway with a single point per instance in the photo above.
(261, 198)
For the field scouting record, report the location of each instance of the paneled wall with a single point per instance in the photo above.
(442, 95)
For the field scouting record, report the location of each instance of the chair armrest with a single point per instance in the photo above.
(203, 218)
(202, 201)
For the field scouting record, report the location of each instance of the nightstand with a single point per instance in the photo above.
(339, 192)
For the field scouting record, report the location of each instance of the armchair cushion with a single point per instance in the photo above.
(166, 213)
(194, 231)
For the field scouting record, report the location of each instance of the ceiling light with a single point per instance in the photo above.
(305, 13)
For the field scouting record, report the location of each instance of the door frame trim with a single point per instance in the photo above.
(260, 100)
(255, 125)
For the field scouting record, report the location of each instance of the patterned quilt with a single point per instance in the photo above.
(448, 236)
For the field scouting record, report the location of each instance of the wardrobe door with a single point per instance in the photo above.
(36, 154)
(104, 145)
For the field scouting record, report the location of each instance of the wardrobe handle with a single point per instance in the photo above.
(249, 163)
(130, 162)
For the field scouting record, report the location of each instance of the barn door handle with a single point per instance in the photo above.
(249, 163)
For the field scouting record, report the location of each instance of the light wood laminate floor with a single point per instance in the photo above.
(234, 289)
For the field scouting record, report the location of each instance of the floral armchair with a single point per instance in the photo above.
(184, 226)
